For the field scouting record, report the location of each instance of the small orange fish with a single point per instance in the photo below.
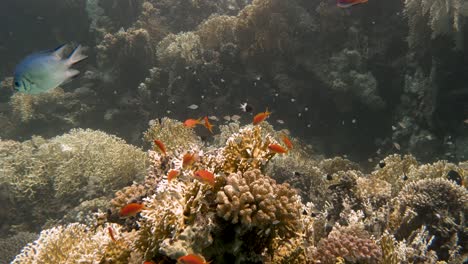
(131, 209)
(277, 148)
(286, 141)
(111, 233)
(208, 125)
(192, 259)
(261, 116)
(349, 3)
(191, 123)
(189, 159)
(160, 146)
(149, 262)
(205, 177)
(172, 174)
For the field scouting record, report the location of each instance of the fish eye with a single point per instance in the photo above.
(17, 84)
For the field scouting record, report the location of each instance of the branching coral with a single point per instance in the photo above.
(256, 200)
(246, 150)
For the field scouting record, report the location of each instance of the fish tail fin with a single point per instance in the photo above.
(76, 56)
(71, 73)
(58, 52)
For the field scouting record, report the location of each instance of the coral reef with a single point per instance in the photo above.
(443, 17)
(246, 216)
(62, 172)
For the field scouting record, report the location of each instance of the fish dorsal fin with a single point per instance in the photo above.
(58, 52)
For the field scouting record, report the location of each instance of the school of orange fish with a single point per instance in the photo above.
(204, 176)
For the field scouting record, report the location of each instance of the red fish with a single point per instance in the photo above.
(205, 177)
(172, 174)
(191, 123)
(277, 148)
(286, 141)
(261, 116)
(192, 259)
(131, 209)
(349, 3)
(189, 159)
(111, 233)
(208, 125)
(160, 146)
(149, 262)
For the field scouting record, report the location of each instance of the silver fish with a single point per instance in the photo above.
(43, 71)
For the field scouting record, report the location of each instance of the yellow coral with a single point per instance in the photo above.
(172, 133)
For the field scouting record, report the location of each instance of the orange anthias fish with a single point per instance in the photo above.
(172, 174)
(208, 125)
(160, 146)
(191, 123)
(149, 262)
(111, 233)
(261, 116)
(286, 141)
(277, 148)
(131, 209)
(192, 259)
(205, 177)
(349, 3)
(189, 159)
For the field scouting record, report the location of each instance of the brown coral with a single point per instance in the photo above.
(254, 199)
(352, 243)
(246, 150)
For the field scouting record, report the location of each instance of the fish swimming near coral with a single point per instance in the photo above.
(286, 141)
(160, 146)
(192, 259)
(191, 123)
(172, 174)
(277, 148)
(208, 125)
(46, 70)
(349, 3)
(131, 209)
(111, 233)
(205, 177)
(188, 159)
(260, 117)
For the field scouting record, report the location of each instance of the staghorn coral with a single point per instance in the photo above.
(439, 204)
(255, 200)
(352, 243)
